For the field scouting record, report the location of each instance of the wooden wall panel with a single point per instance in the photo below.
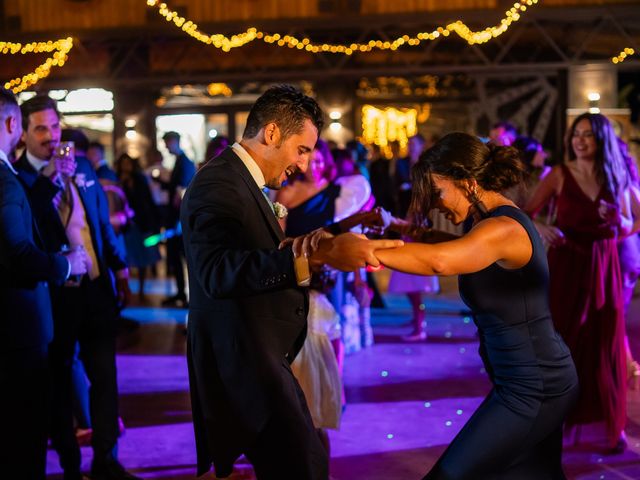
(43, 15)
(70, 15)
(404, 6)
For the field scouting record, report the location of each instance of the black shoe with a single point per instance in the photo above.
(111, 471)
(179, 301)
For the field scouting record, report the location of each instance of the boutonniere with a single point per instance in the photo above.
(280, 210)
(81, 181)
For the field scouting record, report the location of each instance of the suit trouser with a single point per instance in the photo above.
(86, 315)
(23, 412)
(289, 446)
(175, 256)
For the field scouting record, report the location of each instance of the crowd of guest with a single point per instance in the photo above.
(72, 226)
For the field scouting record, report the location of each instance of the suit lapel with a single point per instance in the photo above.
(258, 196)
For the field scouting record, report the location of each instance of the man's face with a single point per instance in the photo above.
(286, 158)
(173, 145)
(42, 134)
(94, 155)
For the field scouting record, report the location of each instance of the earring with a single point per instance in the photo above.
(477, 203)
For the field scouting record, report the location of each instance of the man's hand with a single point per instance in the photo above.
(123, 292)
(78, 260)
(305, 244)
(349, 252)
(59, 168)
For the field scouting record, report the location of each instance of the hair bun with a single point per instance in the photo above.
(503, 167)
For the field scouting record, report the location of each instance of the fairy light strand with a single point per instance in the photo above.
(622, 56)
(60, 49)
(251, 34)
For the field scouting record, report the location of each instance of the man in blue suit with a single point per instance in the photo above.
(71, 209)
(26, 327)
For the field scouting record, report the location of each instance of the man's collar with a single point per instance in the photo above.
(5, 159)
(37, 163)
(102, 163)
(250, 163)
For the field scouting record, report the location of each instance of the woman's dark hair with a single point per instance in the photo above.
(460, 156)
(344, 162)
(285, 106)
(611, 170)
(215, 147)
(528, 148)
(135, 164)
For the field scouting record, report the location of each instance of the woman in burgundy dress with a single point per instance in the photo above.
(593, 213)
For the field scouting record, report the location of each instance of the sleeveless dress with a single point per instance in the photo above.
(516, 433)
(587, 306)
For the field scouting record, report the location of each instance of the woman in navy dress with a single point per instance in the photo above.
(516, 433)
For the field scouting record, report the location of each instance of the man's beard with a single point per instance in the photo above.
(273, 184)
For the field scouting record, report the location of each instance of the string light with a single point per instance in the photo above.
(227, 43)
(381, 126)
(60, 49)
(622, 56)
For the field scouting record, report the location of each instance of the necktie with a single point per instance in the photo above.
(266, 196)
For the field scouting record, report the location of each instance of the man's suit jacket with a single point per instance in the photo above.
(41, 190)
(24, 271)
(247, 316)
(104, 172)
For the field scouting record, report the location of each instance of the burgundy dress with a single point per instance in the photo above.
(587, 306)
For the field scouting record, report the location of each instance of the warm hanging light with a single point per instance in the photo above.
(60, 48)
(227, 43)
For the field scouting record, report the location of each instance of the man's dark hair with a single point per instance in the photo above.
(171, 136)
(37, 104)
(285, 106)
(79, 139)
(7, 101)
(96, 145)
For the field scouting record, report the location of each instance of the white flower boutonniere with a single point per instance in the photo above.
(280, 210)
(81, 181)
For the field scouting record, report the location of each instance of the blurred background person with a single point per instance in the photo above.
(145, 220)
(215, 147)
(534, 157)
(414, 286)
(591, 191)
(503, 134)
(182, 173)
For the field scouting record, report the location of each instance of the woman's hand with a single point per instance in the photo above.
(551, 235)
(610, 212)
(376, 220)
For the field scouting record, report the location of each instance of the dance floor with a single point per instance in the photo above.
(405, 402)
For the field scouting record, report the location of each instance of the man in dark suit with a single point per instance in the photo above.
(248, 305)
(26, 327)
(182, 173)
(95, 154)
(71, 210)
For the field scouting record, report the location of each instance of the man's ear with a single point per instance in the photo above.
(271, 134)
(11, 123)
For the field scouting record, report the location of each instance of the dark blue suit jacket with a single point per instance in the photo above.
(25, 305)
(41, 192)
(104, 172)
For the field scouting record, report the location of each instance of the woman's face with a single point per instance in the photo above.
(126, 166)
(583, 141)
(450, 199)
(317, 165)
